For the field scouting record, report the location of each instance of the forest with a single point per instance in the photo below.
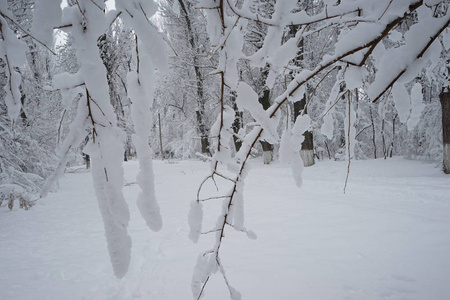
(233, 95)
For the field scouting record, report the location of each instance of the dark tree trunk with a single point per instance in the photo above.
(307, 147)
(267, 147)
(203, 133)
(237, 124)
(445, 103)
(106, 53)
(383, 140)
(373, 134)
(391, 151)
(87, 161)
(23, 115)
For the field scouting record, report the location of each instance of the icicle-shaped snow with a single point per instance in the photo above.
(147, 204)
(108, 182)
(107, 140)
(237, 209)
(328, 125)
(152, 55)
(301, 125)
(195, 219)
(402, 101)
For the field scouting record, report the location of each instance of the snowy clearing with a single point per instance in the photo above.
(388, 237)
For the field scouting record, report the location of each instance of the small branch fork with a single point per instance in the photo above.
(90, 115)
(224, 219)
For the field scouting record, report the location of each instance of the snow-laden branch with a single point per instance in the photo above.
(150, 55)
(95, 114)
(363, 29)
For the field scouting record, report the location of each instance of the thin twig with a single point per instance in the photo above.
(60, 125)
(26, 32)
(212, 198)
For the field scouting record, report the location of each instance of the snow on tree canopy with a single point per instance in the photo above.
(409, 57)
(136, 14)
(12, 52)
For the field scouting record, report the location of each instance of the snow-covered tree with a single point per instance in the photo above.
(87, 22)
(27, 130)
(363, 30)
(187, 95)
(360, 70)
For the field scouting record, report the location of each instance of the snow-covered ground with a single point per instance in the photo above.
(388, 237)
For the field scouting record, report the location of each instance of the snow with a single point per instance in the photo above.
(446, 39)
(247, 99)
(272, 40)
(354, 77)
(222, 128)
(417, 106)
(195, 220)
(12, 53)
(301, 125)
(402, 101)
(47, 15)
(328, 126)
(142, 119)
(395, 36)
(74, 137)
(405, 58)
(70, 86)
(176, 8)
(386, 238)
(152, 47)
(284, 153)
(105, 146)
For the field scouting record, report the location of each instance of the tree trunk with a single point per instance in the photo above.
(87, 161)
(203, 133)
(267, 147)
(445, 103)
(373, 135)
(201, 125)
(307, 147)
(160, 137)
(391, 151)
(237, 124)
(383, 140)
